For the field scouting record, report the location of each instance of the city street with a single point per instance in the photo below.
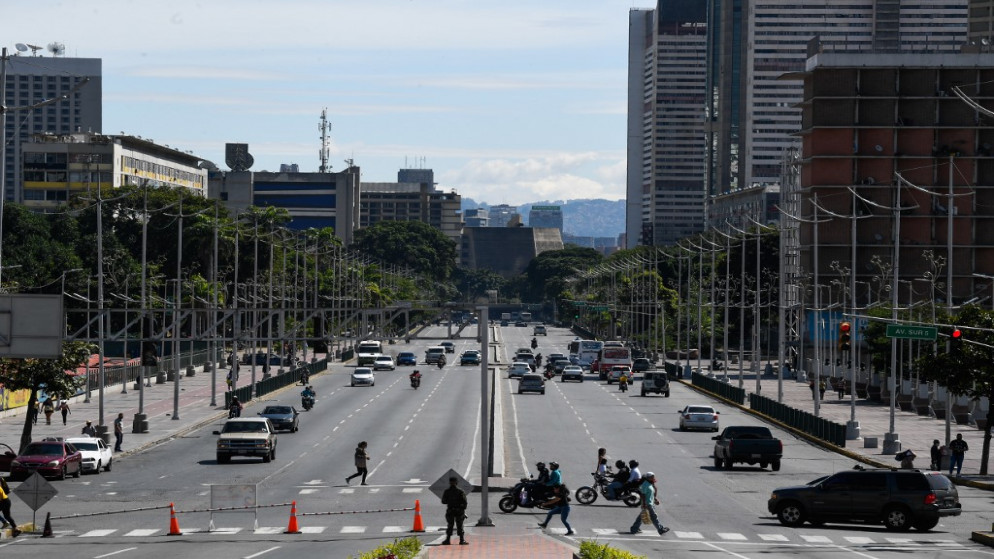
(415, 436)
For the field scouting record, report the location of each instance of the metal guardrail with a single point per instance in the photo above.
(806, 422)
(275, 382)
(723, 389)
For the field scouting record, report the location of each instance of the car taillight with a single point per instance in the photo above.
(781, 445)
(714, 417)
(687, 416)
(930, 499)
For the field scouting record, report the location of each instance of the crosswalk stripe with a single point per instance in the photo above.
(773, 537)
(268, 530)
(308, 491)
(861, 540)
(97, 533)
(816, 539)
(226, 531)
(413, 489)
(352, 530)
(312, 529)
(902, 541)
(393, 529)
(731, 536)
(142, 532)
(605, 531)
(346, 491)
(689, 535)
(946, 543)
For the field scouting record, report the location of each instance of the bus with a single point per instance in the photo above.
(588, 351)
(614, 355)
(526, 316)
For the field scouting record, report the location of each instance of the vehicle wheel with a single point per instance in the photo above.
(586, 495)
(109, 462)
(776, 465)
(790, 514)
(353, 384)
(97, 471)
(715, 429)
(543, 392)
(633, 500)
(62, 473)
(268, 457)
(507, 504)
(682, 428)
(272, 455)
(897, 518)
(926, 525)
(668, 395)
(520, 392)
(223, 459)
(643, 393)
(717, 462)
(79, 470)
(728, 463)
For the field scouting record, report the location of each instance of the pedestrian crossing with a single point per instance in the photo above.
(678, 535)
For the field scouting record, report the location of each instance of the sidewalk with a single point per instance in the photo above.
(915, 431)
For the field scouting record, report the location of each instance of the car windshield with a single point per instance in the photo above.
(244, 427)
(43, 448)
(276, 410)
(86, 446)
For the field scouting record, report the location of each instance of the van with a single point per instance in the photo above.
(434, 354)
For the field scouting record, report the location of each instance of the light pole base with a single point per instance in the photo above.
(892, 443)
(485, 521)
(852, 431)
(140, 423)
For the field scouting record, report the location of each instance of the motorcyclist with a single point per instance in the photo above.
(635, 477)
(534, 343)
(619, 480)
(441, 361)
(538, 360)
(308, 392)
(623, 382)
(543, 473)
(304, 377)
(235, 408)
(415, 377)
(538, 486)
(555, 476)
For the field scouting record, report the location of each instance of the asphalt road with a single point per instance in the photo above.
(415, 436)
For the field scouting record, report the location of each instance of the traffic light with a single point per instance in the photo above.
(845, 336)
(955, 341)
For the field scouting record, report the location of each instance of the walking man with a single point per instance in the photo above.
(649, 500)
(118, 432)
(64, 408)
(5, 516)
(560, 505)
(89, 430)
(936, 455)
(361, 457)
(958, 447)
(455, 503)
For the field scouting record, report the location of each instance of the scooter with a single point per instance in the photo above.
(526, 494)
(307, 402)
(586, 495)
(623, 385)
(234, 411)
(415, 382)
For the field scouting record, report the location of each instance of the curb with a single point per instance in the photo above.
(984, 538)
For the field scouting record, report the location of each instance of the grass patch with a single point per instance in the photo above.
(593, 550)
(406, 548)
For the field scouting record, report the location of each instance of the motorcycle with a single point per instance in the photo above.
(586, 495)
(415, 382)
(526, 494)
(534, 343)
(549, 373)
(234, 411)
(623, 385)
(307, 402)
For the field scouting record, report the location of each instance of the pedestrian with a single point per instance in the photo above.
(119, 432)
(821, 388)
(49, 408)
(936, 454)
(33, 413)
(227, 381)
(560, 505)
(958, 447)
(361, 457)
(64, 408)
(89, 430)
(455, 503)
(5, 516)
(840, 387)
(907, 459)
(649, 500)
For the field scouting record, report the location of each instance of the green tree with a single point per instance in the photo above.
(416, 245)
(547, 274)
(54, 374)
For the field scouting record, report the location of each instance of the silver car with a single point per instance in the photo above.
(363, 376)
(518, 369)
(572, 372)
(531, 383)
(699, 417)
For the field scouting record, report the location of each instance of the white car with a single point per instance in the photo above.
(572, 372)
(699, 417)
(96, 454)
(518, 369)
(383, 362)
(363, 376)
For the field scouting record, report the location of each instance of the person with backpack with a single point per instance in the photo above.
(907, 459)
(560, 505)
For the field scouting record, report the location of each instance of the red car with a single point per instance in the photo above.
(50, 458)
(7, 455)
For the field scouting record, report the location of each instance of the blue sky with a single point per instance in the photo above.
(509, 101)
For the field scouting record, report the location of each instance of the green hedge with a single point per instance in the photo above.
(593, 550)
(406, 548)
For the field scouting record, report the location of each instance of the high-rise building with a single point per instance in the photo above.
(666, 91)
(546, 216)
(981, 27)
(31, 81)
(502, 215)
(476, 217)
(417, 200)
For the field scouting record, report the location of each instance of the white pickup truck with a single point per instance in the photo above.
(246, 436)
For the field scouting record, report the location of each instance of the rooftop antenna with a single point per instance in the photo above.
(57, 49)
(324, 127)
(34, 49)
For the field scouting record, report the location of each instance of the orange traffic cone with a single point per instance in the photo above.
(419, 525)
(292, 527)
(173, 523)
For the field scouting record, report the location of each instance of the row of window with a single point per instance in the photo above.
(161, 171)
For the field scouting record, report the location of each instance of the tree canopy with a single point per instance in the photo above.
(413, 244)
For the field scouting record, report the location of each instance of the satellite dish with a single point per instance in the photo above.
(34, 49)
(21, 47)
(57, 49)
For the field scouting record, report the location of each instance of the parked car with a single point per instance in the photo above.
(50, 458)
(405, 358)
(531, 383)
(363, 376)
(383, 362)
(282, 417)
(7, 455)
(470, 357)
(95, 452)
(518, 369)
(699, 417)
(747, 444)
(899, 499)
(246, 436)
(655, 382)
(572, 372)
(449, 346)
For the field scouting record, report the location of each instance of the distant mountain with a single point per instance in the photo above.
(582, 217)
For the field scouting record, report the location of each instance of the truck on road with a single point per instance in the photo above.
(747, 444)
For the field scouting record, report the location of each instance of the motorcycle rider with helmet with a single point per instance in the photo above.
(415, 378)
(635, 477)
(307, 397)
(534, 343)
(235, 408)
(555, 476)
(619, 481)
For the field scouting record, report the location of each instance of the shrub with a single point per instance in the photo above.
(406, 548)
(593, 550)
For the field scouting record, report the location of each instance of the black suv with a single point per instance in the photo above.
(900, 499)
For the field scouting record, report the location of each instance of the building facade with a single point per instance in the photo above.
(411, 201)
(476, 217)
(506, 251)
(56, 167)
(502, 215)
(546, 216)
(30, 81)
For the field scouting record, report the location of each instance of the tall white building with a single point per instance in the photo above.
(30, 81)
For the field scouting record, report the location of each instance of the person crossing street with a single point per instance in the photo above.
(649, 501)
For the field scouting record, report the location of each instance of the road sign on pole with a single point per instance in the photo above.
(911, 332)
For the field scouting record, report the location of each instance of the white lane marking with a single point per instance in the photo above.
(97, 533)
(265, 530)
(115, 552)
(263, 552)
(393, 529)
(861, 540)
(731, 536)
(312, 529)
(689, 535)
(308, 491)
(345, 491)
(901, 541)
(605, 531)
(816, 539)
(142, 532)
(517, 433)
(476, 437)
(352, 530)
(719, 548)
(413, 490)
(773, 537)
(376, 468)
(226, 531)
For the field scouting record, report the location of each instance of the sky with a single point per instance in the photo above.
(508, 101)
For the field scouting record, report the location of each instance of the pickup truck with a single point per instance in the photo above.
(246, 436)
(749, 445)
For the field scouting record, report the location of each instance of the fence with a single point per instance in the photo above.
(131, 370)
(723, 389)
(275, 382)
(799, 419)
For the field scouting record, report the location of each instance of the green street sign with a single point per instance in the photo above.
(911, 332)
(599, 308)
(580, 303)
